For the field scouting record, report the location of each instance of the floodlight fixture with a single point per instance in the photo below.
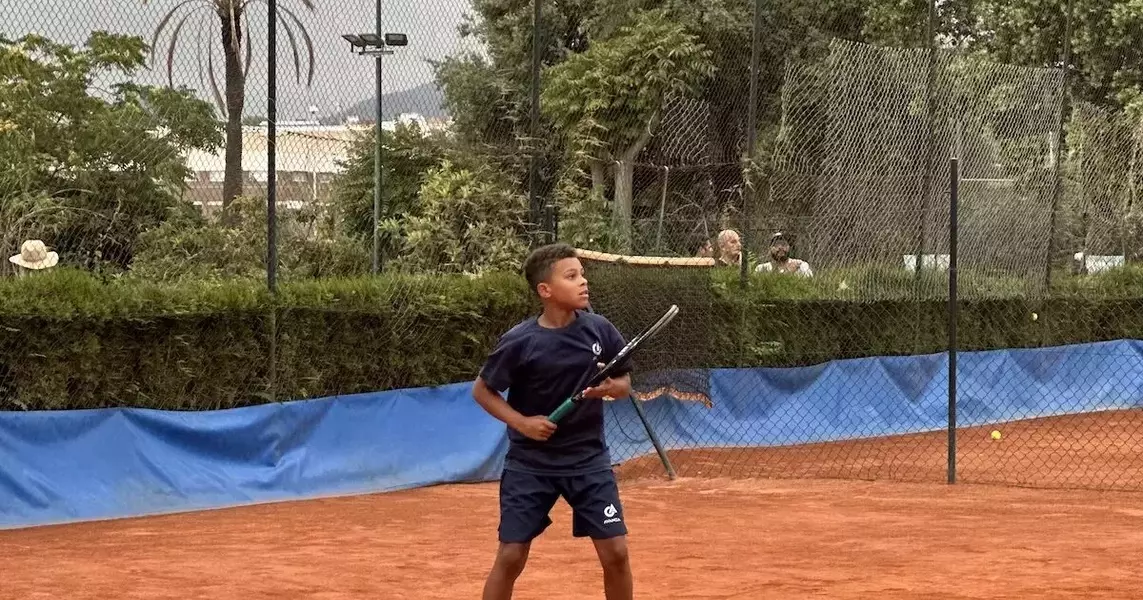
(375, 44)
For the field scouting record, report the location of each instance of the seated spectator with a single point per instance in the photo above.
(729, 247)
(705, 250)
(34, 256)
(780, 260)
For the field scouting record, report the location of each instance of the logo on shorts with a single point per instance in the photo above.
(610, 513)
(596, 349)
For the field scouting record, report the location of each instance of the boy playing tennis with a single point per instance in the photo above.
(541, 361)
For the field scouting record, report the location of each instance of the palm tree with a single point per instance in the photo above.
(199, 15)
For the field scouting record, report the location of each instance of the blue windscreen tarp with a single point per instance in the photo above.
(881, 396)
(94, 464)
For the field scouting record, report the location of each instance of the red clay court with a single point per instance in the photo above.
(723, 537)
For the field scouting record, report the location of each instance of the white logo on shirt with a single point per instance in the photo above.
(596, 349)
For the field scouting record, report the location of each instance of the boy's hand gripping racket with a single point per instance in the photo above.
(615, 363)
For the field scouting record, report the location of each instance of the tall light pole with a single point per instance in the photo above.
(534, 204)
(376, 45)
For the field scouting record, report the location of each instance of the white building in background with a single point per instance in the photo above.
(308, 155)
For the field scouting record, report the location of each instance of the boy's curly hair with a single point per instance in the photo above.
(538, 265)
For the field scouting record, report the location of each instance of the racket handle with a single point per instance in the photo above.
(562, 410)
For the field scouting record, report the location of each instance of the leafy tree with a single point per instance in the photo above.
(211, 248)
(791, 29)
(88, 169)
(489, 96)
(585, 215)
(237, 53)
(610, 99)
(409, 156)
(1107, 42)
(470, 220)
(905, 23)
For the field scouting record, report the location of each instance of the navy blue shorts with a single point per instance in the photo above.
(526, 500)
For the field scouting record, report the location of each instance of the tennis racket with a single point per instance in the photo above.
(608, 369)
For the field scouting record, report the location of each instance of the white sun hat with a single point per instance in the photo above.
(34, 255)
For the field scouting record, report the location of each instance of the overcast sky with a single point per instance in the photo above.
(340, 78)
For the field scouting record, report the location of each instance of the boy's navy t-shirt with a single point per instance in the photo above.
(540, 367)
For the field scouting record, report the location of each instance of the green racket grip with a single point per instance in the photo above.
(561, 410)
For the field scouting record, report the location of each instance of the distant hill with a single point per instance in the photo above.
(424, 99)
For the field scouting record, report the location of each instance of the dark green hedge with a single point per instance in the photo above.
(68, 340)
(782, 321)
(71, 342)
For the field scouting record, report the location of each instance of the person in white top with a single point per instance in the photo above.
(780, 260)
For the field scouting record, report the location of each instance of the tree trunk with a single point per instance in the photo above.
(598, 176)
(623, 208)
(235, 104)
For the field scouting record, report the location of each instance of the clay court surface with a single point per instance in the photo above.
(702, 536)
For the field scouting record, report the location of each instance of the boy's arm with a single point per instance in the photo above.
(537, 428)
(492, 402)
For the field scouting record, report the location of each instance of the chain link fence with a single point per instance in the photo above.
(135, 139)
(859, 178)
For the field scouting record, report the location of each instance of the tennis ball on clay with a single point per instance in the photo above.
(995, 434)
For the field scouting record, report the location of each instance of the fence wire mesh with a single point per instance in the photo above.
(134, 143)
(859, 179)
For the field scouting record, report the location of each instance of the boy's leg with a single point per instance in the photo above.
(525, 502)
(598, 513)
(618, 583)
(510, 561)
